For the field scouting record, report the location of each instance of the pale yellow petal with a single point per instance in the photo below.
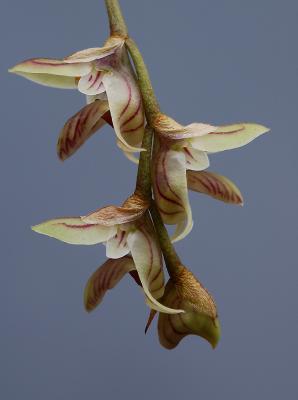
(229, 137)
(51, 80)
(75, 231)
(52, 67)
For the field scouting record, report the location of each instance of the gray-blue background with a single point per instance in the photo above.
(215, 61)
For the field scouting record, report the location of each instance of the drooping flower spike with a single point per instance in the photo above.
(124, 230)
(181, 148)
(104, 74)
(200, 317)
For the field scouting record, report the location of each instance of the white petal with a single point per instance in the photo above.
(183, 228)
(170, 190)
(117, 246)
(196, 160)
(75, 231)
(126, 107)
(91, 84)
(148, 261)
(127, 153)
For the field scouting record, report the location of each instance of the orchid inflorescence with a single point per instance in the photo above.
(173, 160)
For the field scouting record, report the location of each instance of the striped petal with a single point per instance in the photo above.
(170, 190)
(217, 186)
(200, 317)
(75, 231)
(133, 209)
(117, 246)
(80, 127)
(94, 53)
(228, 137)
(51, 67)
(196, 160)
(126, 107)
(91, 84)
(148, 261)
(105, 278)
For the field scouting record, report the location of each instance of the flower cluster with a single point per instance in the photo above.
(119, 93)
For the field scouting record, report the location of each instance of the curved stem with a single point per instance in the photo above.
(173, 263)
(117, 24)
(152, 109)
(143, 184)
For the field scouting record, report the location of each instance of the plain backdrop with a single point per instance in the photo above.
(216, 61)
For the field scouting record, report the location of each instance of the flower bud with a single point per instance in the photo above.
(185, 292)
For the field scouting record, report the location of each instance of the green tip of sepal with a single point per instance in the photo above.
(206, 327)
(214, 333)
(34, 228)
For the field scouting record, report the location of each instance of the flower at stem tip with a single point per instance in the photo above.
(181, 148)
(103, 73)
(124, 230)
(183, 290)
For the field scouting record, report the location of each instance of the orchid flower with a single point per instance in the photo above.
(124, 230)
(200, 317)
(104, 74)
(181, 148)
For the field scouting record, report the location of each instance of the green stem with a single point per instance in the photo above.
(143, 184)
(152, 109)
(117, 24)
(173, 263)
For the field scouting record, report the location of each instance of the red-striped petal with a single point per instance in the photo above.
(196, 160)
(126, 106)
(105, 278)
(117, 247)
(147, 257)
(91, 84)
(214, 185)
(80, 127)
(170, 189)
